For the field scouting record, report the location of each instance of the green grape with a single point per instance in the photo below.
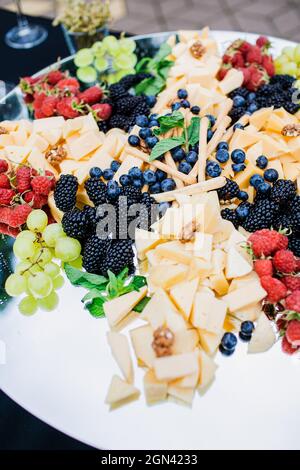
(111, 78)
(111, 44)
(28, 306)
(52, 269)
(87, 74)
(98, 49)
(37, 220)
(77, 263)
(289, 68)
(127, 45)
(52, 233)
(58, 282)
(23, 268)
(40, 285)
(67, 249)
(27, 234)
(42, 256)
(24, 248)
(49, 303)
(124, 61)
(289, 52)
(101, 64)
(297, 54)
(84, 57)
(15, 285)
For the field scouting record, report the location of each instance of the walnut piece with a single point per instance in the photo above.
(3, 130)
(291, 130)
(163, 341)
(197, 50)
(56, 155)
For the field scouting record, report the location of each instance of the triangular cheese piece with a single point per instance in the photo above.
(142, 338)
(259, 118)
(210, 341)
(145, 241)
(120, 391)
(243, 138)
(183, 295)
(263, 336)
(236, 264)
(166, 276)
(117, 309)
(207, 369)
(120, 350)
(157, 308)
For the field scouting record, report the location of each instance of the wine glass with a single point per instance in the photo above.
(25, 35)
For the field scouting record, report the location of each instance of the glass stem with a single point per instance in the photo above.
(22, 20)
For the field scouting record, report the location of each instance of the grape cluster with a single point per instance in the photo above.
(36, 275)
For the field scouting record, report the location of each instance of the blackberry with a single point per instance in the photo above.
(126, 105)
(285, 81)
(91, 218)
(241, 91)
(94, 252)
(229, 191)
(117, 91)
(133, 194)
(283, 191)
(237, 113)
(141, 108)
(119, 256)
(294, 243)
(96, 191)
(120, 121)
(295, 219)
(230, 214)
(74, 223)
(283, 221)
(261, 215)
(103, 126)
(65, 192)
(133, 79)
(291, 107)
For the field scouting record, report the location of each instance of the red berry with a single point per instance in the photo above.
(3, 166)
(14, 216)
(6, 196)
(254, 55)
(238, 60)
(258, 77)
(275, 289)
(38, 114)
(292, 282)
(68, 107)
(38, 100)
(287, 347)
(284, 261)
(51, 177)
(265, 242)
(246, 73)
(48, 107)
(292, 302)
(263, 267)
(282, 242)
(268, 65)
(66, 83)
(263, 42)
(102, 111)
(222, 72)
(37, 201)
(23, 178)
(245, 47)
(41, 185)
(293, 333)
(54, 77)
(91, 95)
(297, 265)
(7, 230)
(4, 181)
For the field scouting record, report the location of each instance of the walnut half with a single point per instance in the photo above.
(3, 130)
(291, 130)
(56, 155)
(197, 50)
(163, 341)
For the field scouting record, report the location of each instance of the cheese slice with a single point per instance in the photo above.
(183, 394)
(128, 163)
(117, 309)
(142, 338)
(203, 245)
(236, 264)
(210, 341)
(157, 308)
(84, 145)
(17, 155)
(259, 118)
(155, 390)
(207, 369)
(120, 391)
(40, 125)
(183, 295)
(166, 276)
(185, 341)
(120, 350)
(175, 366)
(175, 251)
(208, 313)
(249, 294)
(263, 336)
(145, 241)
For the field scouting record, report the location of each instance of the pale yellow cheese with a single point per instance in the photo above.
(120, 351)
(174, 250)
(166, 277)
(120, 391)
(142, 338)
(208, 313)
(185, 341)
(183, 295)
(175, 366)
(155, 390)
(85, 144)
(263, 336)
(117, 309)
(236, 264)
(39, 125)
(207, 369)
(202, 247)
(157, 308)
(17, 155)
(145, 241)
(128, 163)
(252, 292)
(210, 341)
(184, 394)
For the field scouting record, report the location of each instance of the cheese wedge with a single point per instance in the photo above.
(236, 264)
(183, 295)
(157, 308)
(207, 369)
(263, 336)
(251, 293)
(166, 276)
(85, 144)
(120, 391)
(208, 313)
(184, 394)
(185, 341)
(175, 366)
(120, 351)
(142, 338)
(117, 309)
(40, 125)
(210, 341)
(145, 241)
(155, 390)
(203, 245)
(175, 251)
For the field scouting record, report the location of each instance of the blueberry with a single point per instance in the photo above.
(242, 210)
(151, 141)
(229, 341)
(192, 157)
(95, 172)
(238, 101)
(213, 169)
(209, 134)
(163, 207)
(195, 109)
(149, 176)
(185, 167)
(238, 125)
(263, 188)
(256, 180)
(226, 352)
(244, 337)
(211, 119)
(113, 190)
(251, 97)
(185, 104)
(138, 183)
(160, 175)
(168, 185)
(108, 174)
(155, 188)
(238, 156)
(222, 155)
(142, 121)
(145, 132)
(151, 100)
(271, 175)
(182, 94)
(115, 165)
(195, 148)
(262, 162)
(134, 140)
(135, 173)
(237, 167)
(153, 116)
(247, 327)
(178, 154)
(153, 123)
(252, 108)
(125, 180)
(176, 106)
(222, 146)
(243, 196)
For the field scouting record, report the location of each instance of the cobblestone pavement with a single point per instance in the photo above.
(274, 17)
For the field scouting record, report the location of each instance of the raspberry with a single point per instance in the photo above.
(293, 333)
(245, 47)
(4, 181)
(7, 230)
(284, 261)
(254, 55)
(287, 347)
(258, 77)
(91, 95)
(66, 83)
(268, 65)
(41, 185)
(23, 178)
(37, 201)
(292, 282)
(49, 104)
(276, 290)
(238, 60)
(6, 196)
(263, 267)
(102, 111)
(54, 77)
(292, 302)
(15, 216)
(265, 242)
(3, 166)
(297, 265)
(68, 107)
(51, 177)
(263, 42)
(38, 114)
(38, 100)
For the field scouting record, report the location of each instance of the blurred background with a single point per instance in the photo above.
(274, 17)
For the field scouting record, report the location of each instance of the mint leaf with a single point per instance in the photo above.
(141, 305)
(163, 51)
(150, 86)
(96, 308)
(138, 282)
(93, 294)
(193, 131)
(142, 64)
(164, 146)
(169, 122)
(164, 68)
(83, 279)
